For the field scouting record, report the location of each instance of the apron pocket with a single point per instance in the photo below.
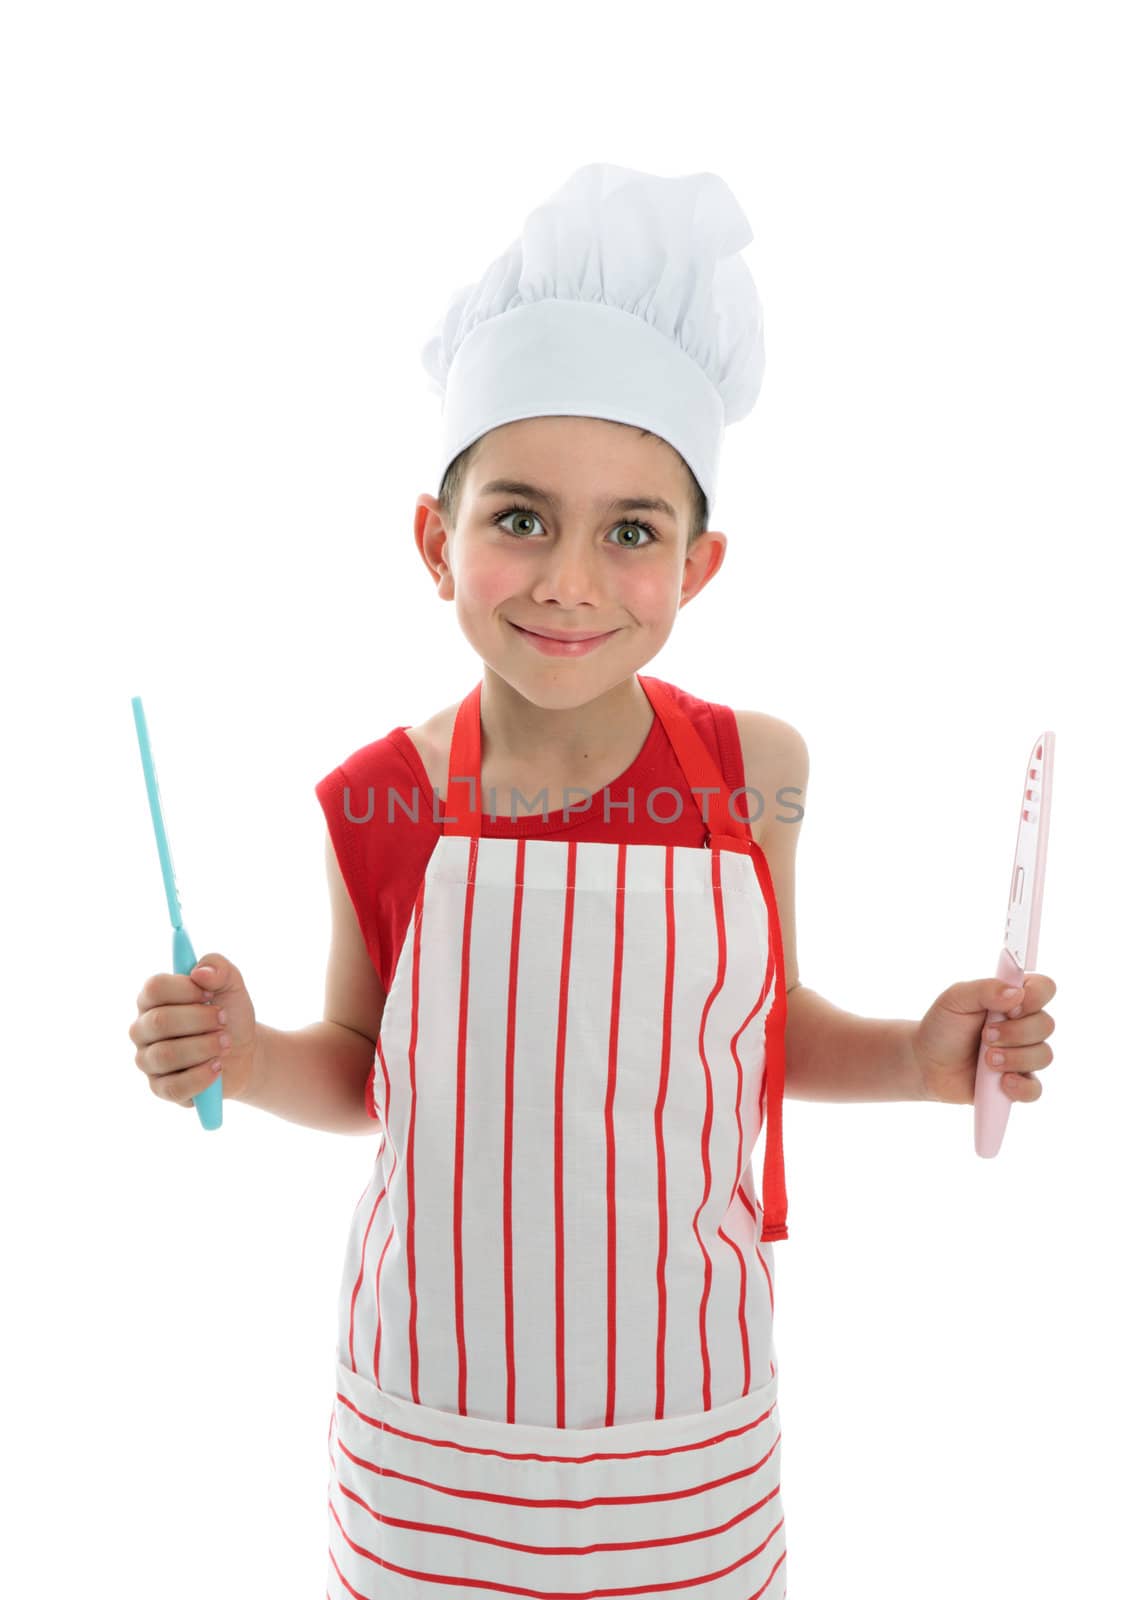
(425, 1502)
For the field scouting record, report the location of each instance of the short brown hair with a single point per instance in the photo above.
(451, 490)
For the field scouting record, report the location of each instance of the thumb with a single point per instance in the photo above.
(981, 994)
(217, 975)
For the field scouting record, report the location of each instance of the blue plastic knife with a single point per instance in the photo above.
(209, 1102)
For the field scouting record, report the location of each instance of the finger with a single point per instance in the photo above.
(1038, 991)
(1027, 1058)
(182, 1087)
(1014, 1031)
(176, 1022)
(166, 1058)
(1021, 1086)
(169, 988)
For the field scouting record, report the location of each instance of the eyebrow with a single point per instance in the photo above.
(645, 502)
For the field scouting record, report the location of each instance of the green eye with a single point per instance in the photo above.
(525, 511)
(644, 528)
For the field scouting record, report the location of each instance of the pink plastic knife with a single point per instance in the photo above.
(1022, 928)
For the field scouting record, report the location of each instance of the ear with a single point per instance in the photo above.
(431, 539)
(702, 562)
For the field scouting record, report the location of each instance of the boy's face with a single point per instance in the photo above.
(569, 563)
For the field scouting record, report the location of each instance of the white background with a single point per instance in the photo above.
(229, 228)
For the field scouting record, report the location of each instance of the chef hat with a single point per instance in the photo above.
(625, 298)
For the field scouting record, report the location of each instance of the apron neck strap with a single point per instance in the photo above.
(701, 772)
(463, 810)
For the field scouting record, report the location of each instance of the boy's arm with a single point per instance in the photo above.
(317, 1075)
(834, 1055)
(829, 1054)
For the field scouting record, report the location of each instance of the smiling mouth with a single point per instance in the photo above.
(563, 638)
(576, 648)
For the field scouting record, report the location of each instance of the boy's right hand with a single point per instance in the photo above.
(178, 1031)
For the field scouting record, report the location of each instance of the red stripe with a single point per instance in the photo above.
(750, 1209)
(559, 1091)
(610, 1143)
(508, 1132)
(662, 1176)
(387, 1079)
(565, 1503)
(770, 977)
(380, 1263)
(705, 1132)
(444, 1530)
(356, 1207)
(376, 1301)
(460, 1121)
(412, 1338)
(360, 1280)
(556, 1594)
(745, 1342)
(774, 1183)
(768, 980)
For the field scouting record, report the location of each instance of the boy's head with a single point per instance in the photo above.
(572, 559)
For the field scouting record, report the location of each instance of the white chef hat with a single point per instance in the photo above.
(625, 298)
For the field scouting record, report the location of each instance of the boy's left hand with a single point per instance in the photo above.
(948, 1039)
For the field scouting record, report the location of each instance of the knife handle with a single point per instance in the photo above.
(991, 1104)
(207, 1101)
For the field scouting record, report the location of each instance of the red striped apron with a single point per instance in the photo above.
(555, 1368)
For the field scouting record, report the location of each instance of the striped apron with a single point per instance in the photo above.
(555, 1373)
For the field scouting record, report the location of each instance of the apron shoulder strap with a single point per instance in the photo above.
(464, 771)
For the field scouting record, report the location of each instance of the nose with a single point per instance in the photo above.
(568, 576)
